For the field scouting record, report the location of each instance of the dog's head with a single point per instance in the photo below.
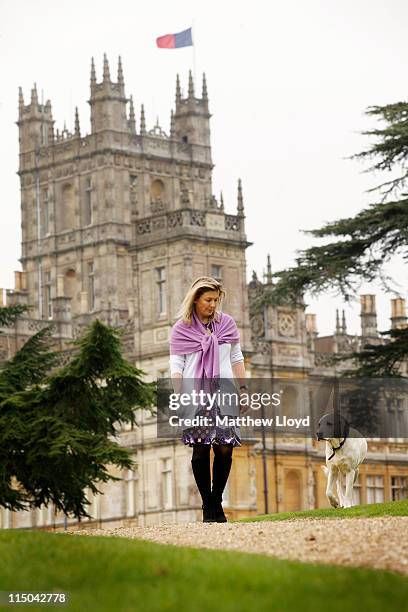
(332, 425)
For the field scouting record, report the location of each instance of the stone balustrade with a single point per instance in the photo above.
(188, 218)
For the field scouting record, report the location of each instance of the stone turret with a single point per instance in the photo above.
(35, 123)
(192, 118)
(108, 100)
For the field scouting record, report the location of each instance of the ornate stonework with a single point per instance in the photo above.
(286, 324)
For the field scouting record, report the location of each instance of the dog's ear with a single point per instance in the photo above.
(340, 425)
(323, 419)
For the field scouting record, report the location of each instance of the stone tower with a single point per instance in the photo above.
(121, 220)
(76, 226)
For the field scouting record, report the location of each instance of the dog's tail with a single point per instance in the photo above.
(325, 469)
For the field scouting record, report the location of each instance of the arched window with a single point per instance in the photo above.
(70, 283)
(157, 190)
(45, 213)
(292, 491)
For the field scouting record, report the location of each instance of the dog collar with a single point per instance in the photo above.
(337, 448)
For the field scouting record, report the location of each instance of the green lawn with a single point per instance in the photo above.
(397, 508)
(113, 574)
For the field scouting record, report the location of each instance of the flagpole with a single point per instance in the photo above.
(194, 51)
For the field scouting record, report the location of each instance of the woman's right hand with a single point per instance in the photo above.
(243, 408)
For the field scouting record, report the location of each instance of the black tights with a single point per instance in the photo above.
(200, 463)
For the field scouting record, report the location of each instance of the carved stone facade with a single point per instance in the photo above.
(287, 346)
(115, 225)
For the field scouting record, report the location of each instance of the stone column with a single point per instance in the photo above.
(398, 314)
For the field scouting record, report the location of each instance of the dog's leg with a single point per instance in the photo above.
(350, 477)
(331, 481)
(340, 492)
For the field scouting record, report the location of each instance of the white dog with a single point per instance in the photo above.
(344, 454)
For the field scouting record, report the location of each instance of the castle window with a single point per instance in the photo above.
(292, 488)
(70, 283)
(66, 212)
(216, 272)
(133, 190)
(47, 295)
(396, 417)
(357, 492)
(88, 201)
(166, 484)
(375, 489)
(46, 213)
(399, 487)
(184, 139)
(132, 485)
(161, 289)
(91, 286)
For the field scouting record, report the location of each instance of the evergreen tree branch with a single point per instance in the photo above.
(380, 361)
(9, 314)
(30, 364)
(392, 145)
(368, 241)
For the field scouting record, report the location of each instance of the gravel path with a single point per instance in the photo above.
(380, 543)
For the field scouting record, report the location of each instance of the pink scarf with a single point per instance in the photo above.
(186, 339)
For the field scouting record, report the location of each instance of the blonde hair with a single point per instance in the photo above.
(197, 288)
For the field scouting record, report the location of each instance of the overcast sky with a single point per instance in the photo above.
(288, 85)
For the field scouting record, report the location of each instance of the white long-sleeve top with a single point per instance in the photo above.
(186, 364)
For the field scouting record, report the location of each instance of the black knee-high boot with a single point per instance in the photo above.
(200, 463)
(221, 469)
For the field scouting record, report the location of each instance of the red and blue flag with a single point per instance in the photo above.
(175, 41)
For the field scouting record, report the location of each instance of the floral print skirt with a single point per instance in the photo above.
(211, 433)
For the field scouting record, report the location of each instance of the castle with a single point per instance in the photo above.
(115, 225)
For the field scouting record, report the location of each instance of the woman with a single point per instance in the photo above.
(205, 347)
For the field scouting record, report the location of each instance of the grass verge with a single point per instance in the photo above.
(396, 508)
(113, 574)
